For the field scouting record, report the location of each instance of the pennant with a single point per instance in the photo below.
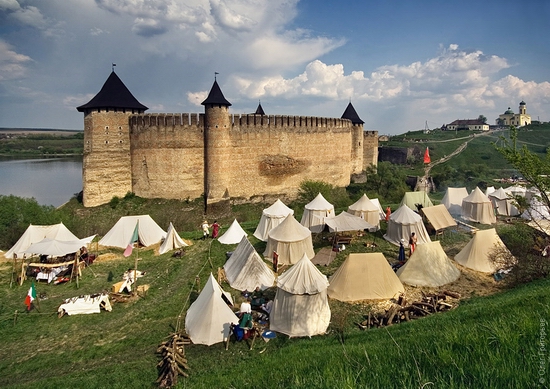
(31, 296)
(133, 239)
(427, 156)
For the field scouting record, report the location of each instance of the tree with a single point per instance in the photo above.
(388, 180)
(482, 118)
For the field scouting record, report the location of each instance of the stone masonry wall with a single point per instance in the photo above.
(370, 148)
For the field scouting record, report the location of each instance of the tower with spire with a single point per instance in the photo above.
(357, 134)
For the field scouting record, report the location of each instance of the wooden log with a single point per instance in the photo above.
(449, 293)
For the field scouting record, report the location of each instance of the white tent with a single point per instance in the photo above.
(489, 190)
(233, 235)
(121, 233)
(537, 210)
(366, 209)
(315, 213)
(453, 200)
(428, 266)
(209, 318)
(413, 198)
(439, 217)
(348, 222)
(475, 255)
(271, 217)
(246, 270)
(477, 207)
(516, 190)
(173, 240)
(402, 223)
(301, 307)
(364, 276)
(34, 234)
(503, 203)
(290, 240)
(380, 210)
(57, 248)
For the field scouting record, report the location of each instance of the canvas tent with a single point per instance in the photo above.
(246, 270)
(537, 210)
(381, 213)
(233, 235)
(475, 255)
(489, 190)
(453, 200)
(477, 207)
(348, 222)
(301, 307)
(366, 209)
(428, 266)
(315, 213)
(290, 240)
(439, 217)
(271, 217)
(413, 198)
(120, 234)
(402, 223)
(57, 248)
(34, 234)
(503, 203)
(364, 276)
(172, 241)
(209, 318)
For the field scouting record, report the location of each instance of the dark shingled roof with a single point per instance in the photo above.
(351, 114)
(216, 96)
(113, 94)
(259, 110)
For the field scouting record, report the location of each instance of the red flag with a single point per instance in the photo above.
(427, 156)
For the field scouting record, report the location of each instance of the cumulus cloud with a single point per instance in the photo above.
(12, 64)
(196, 98)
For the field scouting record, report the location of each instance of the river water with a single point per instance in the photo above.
(51, 181)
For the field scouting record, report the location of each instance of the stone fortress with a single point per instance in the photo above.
(215, 154)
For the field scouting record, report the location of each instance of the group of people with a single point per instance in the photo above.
(253, 301)
(205, 227)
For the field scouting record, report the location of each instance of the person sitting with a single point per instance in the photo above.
(257, 298)
(245, 308)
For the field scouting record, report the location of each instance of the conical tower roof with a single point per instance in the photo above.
(259, 110)
(113, 94)
(351, 114)
(216, 96)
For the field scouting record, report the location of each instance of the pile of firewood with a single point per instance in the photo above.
(173, 361)
(402, 310)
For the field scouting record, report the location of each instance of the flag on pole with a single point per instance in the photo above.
(135, 238)
(427, 156)
(31, 296)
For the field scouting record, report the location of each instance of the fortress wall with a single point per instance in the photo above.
(167, 155)
(370, 148)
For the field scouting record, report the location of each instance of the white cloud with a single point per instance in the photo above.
(196, 98)
(12, 64)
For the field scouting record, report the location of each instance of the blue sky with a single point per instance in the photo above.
(401, 63)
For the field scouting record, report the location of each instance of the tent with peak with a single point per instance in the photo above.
(173, 240)
(315, 213)
(475, 255)
(366, 209)
(246, 270)
(411, 199)
(439, 217)
(149, 232)
(503, 203)
(403, 223)
(477, 207)
(271, 217)
(301, 307)
(233, 235)
(453, 200)
(430, 266)
(348, 222)
(290, 240)
(209, 318)
(364, 276)
(57, 248)
(381, 212)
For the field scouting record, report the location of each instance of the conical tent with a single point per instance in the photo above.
(366, 209)
(246, 270)
(428, 266)
(271, 218)
(489, 190)
(348, 222)
(453, 200)
(290, 240)
(380, 210)
(209, 318)
(301, 307)
(364, 276)
(121, 233)
(475, 255)
(35, 234)
(315, 213)
(411, 199)
(402, 224)
(173, 240)
(503, 203)
(477, 207)
(233, 235)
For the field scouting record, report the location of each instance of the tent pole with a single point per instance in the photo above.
(134, 290)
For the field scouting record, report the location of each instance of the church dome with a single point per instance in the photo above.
(509, 111)
(522, 102)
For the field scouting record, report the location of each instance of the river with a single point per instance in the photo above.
(51, 181)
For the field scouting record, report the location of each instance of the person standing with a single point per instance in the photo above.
(205, 229)
(388, 213)
(401, 257)
(412, 242)
(215, 229)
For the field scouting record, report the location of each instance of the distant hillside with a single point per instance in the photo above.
(57, 131)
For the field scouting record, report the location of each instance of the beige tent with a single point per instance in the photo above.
(271, 217)
(348, 222)
(233, 235)
(315, 213)
(209, 318)
(366, 209)
(453, 200)
(402, 223)
(475, 255)
(121, 233)
(428, 266)
(364, 276)
(173, 240)
(439, 217)
(246, 270)
(503, 203)
(413, 198)
(381, 213)
(477, 207)
(290, 240)
(301, 307)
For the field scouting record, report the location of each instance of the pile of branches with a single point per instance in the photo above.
(173, 361)
(405, 311)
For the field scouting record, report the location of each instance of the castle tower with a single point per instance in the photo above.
(106, 164)
(522, 108)
(357, 139)
(217, 145)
